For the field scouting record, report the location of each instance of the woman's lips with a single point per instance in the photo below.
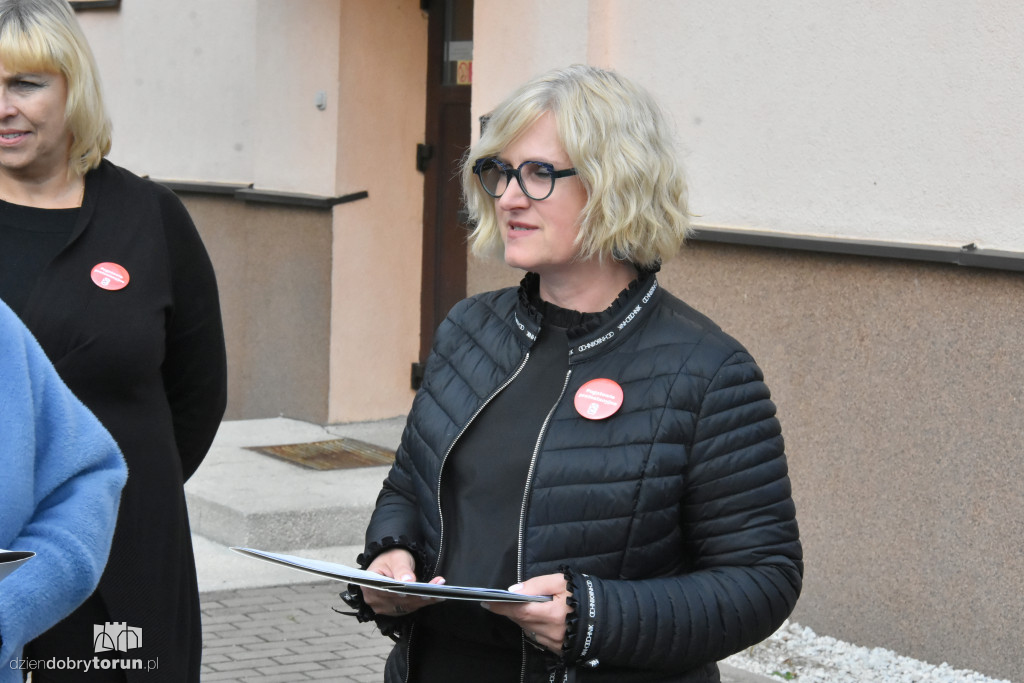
(521, 227)
(12, 137)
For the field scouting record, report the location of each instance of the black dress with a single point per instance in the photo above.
(148, 359)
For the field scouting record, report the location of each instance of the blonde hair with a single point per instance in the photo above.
(44, 36)
(618, 141)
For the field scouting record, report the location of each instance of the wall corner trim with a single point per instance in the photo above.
(967, 255)
(298, 199)
(247, 193)
(94, 4)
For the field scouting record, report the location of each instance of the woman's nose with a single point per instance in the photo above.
(6, 108)
(513, 197)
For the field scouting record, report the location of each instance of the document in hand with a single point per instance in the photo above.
(359, 577)
(12, 559)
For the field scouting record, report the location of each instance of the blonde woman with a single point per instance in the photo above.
(587, 436)
(108, 272)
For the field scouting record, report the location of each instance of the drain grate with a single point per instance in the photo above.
(336, 454)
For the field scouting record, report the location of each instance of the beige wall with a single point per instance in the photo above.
(295, 144)
(895, 121)
(225, 92)
(378, 242)
(178, 79)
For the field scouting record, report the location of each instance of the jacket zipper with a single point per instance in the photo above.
(526, 497)
(440, 472)
(408, 654)
(530, 473)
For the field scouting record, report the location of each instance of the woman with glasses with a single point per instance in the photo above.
(109, 273)
(586, 436)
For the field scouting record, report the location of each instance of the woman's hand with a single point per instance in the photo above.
(542, 622)
(397, 563)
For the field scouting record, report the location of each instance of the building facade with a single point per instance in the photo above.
(855, 173)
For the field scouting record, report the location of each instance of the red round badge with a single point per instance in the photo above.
(598, 399)
(109, 276)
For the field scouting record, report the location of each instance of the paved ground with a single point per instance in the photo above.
(281, 634)
(288, 633)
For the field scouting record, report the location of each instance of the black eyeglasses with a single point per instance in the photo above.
(536, 178)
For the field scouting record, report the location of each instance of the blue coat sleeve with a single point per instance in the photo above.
(59, 493)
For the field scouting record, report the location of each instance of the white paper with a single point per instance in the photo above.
(12, 559)
(340, 572)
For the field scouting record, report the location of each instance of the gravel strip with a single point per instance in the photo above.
(795, 652)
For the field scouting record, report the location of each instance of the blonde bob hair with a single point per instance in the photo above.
(44, 36)
(619, 143)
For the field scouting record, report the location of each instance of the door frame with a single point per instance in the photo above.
(446, 136)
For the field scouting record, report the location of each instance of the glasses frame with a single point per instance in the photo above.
(516, 173)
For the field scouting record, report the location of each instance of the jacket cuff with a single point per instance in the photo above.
(581, 622)
(353, 596)
(375, 548)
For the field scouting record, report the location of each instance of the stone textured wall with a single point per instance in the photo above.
(273, 269)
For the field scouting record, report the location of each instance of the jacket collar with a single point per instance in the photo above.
(595, 333)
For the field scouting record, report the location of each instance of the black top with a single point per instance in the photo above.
(148, 360)
(483, 485)
(29, 239)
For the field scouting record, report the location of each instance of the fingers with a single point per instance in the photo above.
(398, 564)
(388, 604)
(549, 584)
(542, 622)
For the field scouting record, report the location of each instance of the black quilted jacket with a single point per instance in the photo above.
(672, 518)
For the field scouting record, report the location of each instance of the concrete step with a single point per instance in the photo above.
(241, 497)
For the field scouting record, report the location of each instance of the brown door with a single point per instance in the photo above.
(449, 90)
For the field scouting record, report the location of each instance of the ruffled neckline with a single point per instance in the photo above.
(576, 323)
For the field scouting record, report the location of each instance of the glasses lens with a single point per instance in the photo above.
(538, 180)
(493, 177)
